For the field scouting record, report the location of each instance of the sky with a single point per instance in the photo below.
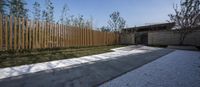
(135, 12)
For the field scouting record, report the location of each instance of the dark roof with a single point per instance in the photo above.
(163, 26)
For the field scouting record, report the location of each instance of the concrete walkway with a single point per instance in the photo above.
(88, 74)
(177, 69)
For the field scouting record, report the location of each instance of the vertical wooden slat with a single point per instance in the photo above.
(11, 33)
(6, 33)
(79, 37)
(34, 31)
(30, 35)
(67, 37)
(49, 35)
(64, 35)
(92, 37)
(73, 37)
(52, 29)
(19, 33)
(42, 35)
(36, 35)
(81, 32)
(88, 33)
(39, 34)
(15, 33)
(70, 36)
(45, 34)
(54, 36)
(59, 35)
(84, 37)
(74, 30)
(22, 33)
(87, 37)
(55, 43)
(95, 38)
(27, 28)
(68, 32)
(56, 29)
(1, 28)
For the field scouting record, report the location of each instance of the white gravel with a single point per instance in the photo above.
(177, 69)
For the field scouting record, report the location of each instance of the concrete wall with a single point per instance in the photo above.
(172, 38)
(162, 38)
(127, 38)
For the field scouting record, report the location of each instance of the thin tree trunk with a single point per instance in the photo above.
(182, 38)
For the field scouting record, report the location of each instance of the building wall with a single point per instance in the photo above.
(172, 38)
(127, 38)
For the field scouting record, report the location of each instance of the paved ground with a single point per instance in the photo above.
(177, 69)
(87, 74)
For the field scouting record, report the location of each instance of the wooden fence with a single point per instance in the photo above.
(24, 34)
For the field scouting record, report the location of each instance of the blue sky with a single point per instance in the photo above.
(135, 12)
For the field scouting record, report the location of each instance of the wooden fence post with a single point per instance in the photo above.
(11, 33)
(27, 28)
(1, 28)
(22, 33)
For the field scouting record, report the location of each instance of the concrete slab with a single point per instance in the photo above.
(177, 69)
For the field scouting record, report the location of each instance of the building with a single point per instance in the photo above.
(157, 34)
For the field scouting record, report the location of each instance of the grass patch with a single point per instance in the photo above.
(8, 59)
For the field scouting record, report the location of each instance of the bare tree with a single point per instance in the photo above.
(64, 15)
(116, 22)
(48, 13)
(37, 11)
(104, 29)
(3, 4)
(17, 8)
(186, 17)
